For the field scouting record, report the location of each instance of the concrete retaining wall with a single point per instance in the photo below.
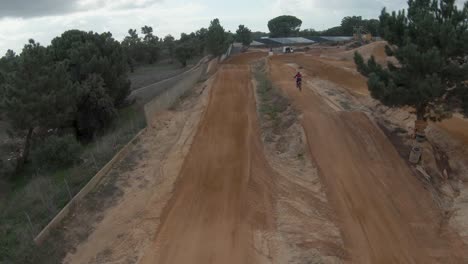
(88, 188)
(145, 94)
(169, 96)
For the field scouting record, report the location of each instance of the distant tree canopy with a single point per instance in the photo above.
(349, 23)
(150, 44)
(244, 35)
(190, 46)
(169, 45)
(430, 41)
(259, 34)
(334, 31)
(309, 33)
(289, 26)
(284, 26)
(217, 39)
(141, 50)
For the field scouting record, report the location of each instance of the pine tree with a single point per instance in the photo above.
(90, 54)
(244, 35)
(169, 45)
(430, 41)
(151, 44)
(216, 39)
(284, 26)
(38, 93)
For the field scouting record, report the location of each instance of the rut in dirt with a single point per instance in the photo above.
(223, 197)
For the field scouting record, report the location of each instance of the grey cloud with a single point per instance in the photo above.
(38, 8)
(34, 8)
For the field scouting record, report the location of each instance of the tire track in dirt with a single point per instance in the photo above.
(221, 210)
(386, 216)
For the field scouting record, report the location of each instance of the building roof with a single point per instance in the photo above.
(297, 40)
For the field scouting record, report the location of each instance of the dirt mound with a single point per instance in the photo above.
(457, 126)
(386, 215)
(246, 58)
(222, 198)
(376, 49)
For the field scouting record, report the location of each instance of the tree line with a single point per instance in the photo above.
(289, 26)
(76, 85)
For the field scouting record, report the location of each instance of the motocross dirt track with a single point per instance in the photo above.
(222, 194)
(385, 214)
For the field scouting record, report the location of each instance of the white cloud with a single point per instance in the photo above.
(170, 17)
(17, 31)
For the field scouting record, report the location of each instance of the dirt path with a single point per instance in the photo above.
(222, 197)
(386, 216)
(126, 210)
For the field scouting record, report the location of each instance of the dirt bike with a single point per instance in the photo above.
(299, 85)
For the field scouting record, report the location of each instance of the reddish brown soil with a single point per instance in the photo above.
(386, 215)
(223, 194)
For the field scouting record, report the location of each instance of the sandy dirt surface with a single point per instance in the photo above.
(457, 126)
(305, 222)
(125, 226)
(223, 193)
(385, 214)
(217, 200)
(214, 181)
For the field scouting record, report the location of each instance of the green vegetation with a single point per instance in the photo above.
(141, 51)
(217, 39)
(244, 35)
(284, 26)
(169, 44)
(40, 195)
(430, 41)
(184, 52)
(272, 103)
(56, 152)
(190, 46)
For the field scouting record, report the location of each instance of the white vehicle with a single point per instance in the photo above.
(288, 50)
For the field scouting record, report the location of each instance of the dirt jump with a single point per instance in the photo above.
(223, 190)
(385, 214)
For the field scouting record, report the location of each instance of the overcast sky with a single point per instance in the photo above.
(43, 20)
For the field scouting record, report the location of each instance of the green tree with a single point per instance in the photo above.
(258, 34)
(372, 26)
(216, 39)
(151, 44)
(96, 109)
(430, 41)
(91, 55)
(349, 23)
(309, 33)
(8, 64)
(284, 26)
(334, 31)
(244, 35)
(38, 94)
(133, 48)
(201, 36)
(169, 45)
(184, 52)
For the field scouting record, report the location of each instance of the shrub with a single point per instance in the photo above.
(56, 152)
